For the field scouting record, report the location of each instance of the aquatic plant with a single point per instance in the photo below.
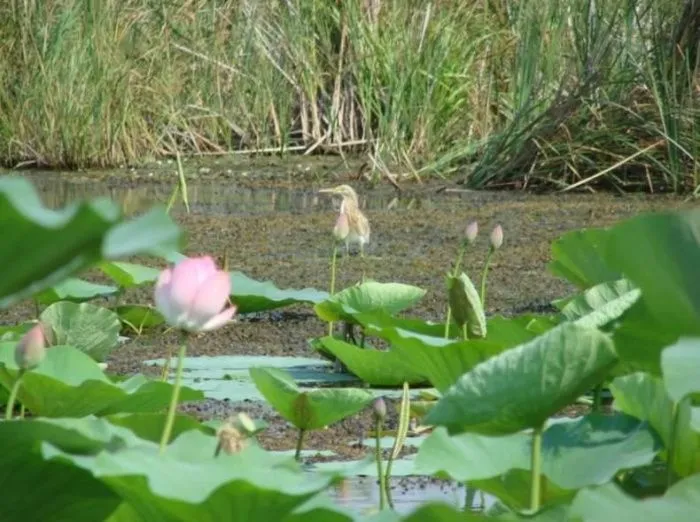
(192, 297)
(631, 327)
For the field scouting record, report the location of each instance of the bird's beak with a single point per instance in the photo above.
(327, 191)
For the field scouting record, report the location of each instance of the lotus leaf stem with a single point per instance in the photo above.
(671, 454)
(13, 395)
(21, 411)
(484, 274)
(332, 286)
(535, 466)
(170, 419)
(300, 444)
(470, 495)
(166, 365)
(378, 455)
(399, 440)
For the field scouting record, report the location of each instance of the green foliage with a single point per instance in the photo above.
(375, 367)
(42, 247)
(87, 327)
(88, 448)
(307, 410)
(465, 304)
(368, 297)
(68, 383)
(250, 295)
(75, 290)
(550, 91)
(522, 387)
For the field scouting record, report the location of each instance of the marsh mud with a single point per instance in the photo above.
(278, 228)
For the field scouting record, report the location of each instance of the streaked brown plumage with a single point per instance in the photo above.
(358, 225)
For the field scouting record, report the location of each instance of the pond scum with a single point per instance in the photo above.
(502, 93)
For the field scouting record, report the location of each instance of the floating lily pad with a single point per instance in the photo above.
(227, 377)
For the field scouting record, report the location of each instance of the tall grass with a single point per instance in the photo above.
(493, 92)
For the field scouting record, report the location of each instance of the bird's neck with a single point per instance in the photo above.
(348, 204)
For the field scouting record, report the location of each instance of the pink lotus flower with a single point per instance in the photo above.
(192, 295)
(31, 348)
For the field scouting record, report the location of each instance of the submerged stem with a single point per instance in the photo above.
(483, 276)
(170, 419)
(13, 395)
(378, 456)
(535, 466)
(300, 444)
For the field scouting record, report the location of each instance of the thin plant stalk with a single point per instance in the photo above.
(300, 444)
(670, 474)
(21, 411)
(173, 198)
(166, 365)
(170, 419)
(469, 496)
(334, 257)
(13, 395)
(484, 274)
(182, 181)
(378, 455)
(535, 466)
(401, 433)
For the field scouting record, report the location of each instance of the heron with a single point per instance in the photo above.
(358, 230)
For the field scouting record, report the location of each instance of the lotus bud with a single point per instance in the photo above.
(497, 237)
(379, 409)
(31, 349)
(193, 294)
(471, 232)
(342, 227)
(230, 439)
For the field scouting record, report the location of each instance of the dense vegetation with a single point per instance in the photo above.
(545, 93)
(487, 387)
